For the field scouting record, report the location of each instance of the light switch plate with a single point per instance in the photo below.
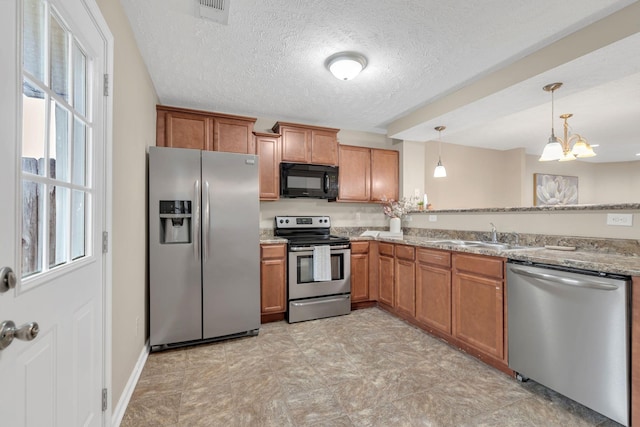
(620, 219)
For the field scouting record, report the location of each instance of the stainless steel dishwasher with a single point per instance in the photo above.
(569, 331)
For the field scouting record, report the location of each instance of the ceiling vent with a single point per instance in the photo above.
(214, 10)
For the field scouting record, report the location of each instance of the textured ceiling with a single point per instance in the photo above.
(269, 62)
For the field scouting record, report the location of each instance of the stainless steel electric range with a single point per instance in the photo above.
(312, 248)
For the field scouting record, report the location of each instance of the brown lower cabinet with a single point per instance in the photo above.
(273, 281)
(478, 303)
(386, 274)
(359, 271)
(433, 289)
(405, 277)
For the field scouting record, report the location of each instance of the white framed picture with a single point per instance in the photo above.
(554, 190)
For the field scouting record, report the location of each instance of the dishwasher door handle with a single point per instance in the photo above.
(592, 284)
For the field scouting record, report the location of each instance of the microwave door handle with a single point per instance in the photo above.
(326, 182)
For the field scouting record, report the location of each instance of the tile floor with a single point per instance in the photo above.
(365, 369)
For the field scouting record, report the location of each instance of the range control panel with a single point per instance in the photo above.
(303, 222)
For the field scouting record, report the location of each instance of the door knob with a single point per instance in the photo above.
(7, 279)
(8, 332)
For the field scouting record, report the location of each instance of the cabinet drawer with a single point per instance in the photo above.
(405, 252)
(479, 265)
(359, 247)
(439, 258)
(273, 251)
(385, 249)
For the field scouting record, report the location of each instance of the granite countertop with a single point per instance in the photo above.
(596, 261)
(272, 240)
(608, 263)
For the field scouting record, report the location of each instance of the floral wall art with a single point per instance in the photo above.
(551, 190)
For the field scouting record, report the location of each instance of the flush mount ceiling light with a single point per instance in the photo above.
(560, 148)
(440, 171)
(346, 65)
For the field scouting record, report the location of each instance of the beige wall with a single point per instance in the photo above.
(476, 177)
(134, 100)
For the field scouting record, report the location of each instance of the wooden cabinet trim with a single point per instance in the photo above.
(386, 249)
(359, 247)
(481, 265)
(405, 252)
(276, 250)
(171, 109)
(279, 124)
(434, 257)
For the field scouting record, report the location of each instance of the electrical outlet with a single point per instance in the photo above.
(433, 218)
(408, 218)
(357, 216)
(620, 219)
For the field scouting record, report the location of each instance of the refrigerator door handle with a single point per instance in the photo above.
(195, 230)
(206, 222)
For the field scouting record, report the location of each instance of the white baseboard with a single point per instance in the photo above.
(121, 407)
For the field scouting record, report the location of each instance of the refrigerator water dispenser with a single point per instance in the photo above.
(175, 221)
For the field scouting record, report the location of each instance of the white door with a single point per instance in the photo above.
(53, 194)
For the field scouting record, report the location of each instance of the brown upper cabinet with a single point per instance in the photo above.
(368, 174)
(308, 144)
(203, 130)
(268, 149)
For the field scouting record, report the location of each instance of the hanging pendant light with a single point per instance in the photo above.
(440, 171)
(560, 148)
(553, 149)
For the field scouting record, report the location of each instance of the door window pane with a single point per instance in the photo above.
(79, 153)
(79, 80)
(59, 51)
(32, 208)
(59, 142)
(58, 198)
(77, 224)
(56, 145)
(33, 135)
(33, 35)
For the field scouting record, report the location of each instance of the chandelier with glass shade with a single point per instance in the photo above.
(560, 148)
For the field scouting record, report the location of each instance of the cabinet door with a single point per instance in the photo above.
(384, 174)
(268, 150)
(233, 136)
(273, 279)
(405, 286)
(359, 271)
(478, 314)
(296, 144)
(184, 130)
(324, 147)
(355, 173)
(433, 297)
(386, 280)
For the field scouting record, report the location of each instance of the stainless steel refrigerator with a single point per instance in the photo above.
(204, 248)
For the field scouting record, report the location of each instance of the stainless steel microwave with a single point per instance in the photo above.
(312, 181)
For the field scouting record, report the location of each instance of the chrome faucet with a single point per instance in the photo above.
(494, 234)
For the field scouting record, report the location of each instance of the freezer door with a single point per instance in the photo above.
(175, 299)
(231, 244)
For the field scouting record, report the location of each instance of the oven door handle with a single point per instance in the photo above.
(310, 248)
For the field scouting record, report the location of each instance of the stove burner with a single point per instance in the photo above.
(307, 231)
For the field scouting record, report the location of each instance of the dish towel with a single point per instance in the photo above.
(321, 263)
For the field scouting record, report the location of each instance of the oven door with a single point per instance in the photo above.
(301, 283)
